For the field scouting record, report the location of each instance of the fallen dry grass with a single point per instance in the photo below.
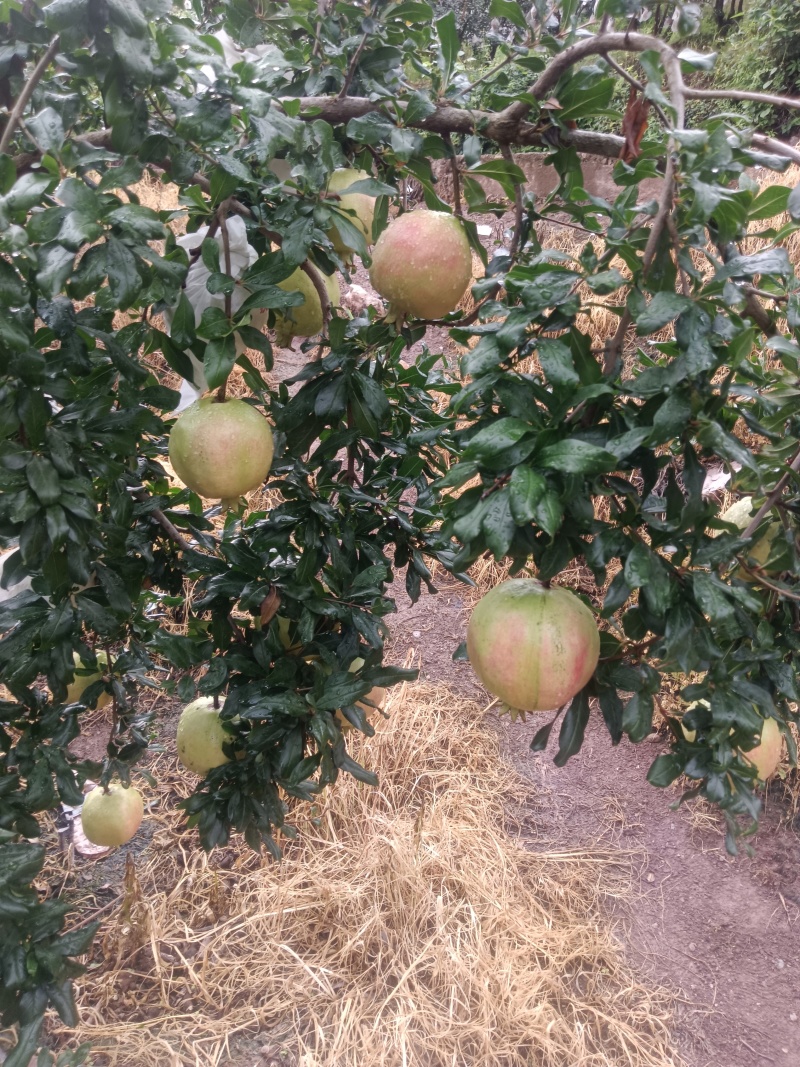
(404, 926)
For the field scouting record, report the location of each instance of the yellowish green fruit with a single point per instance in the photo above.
(112, 818)
(201, 736)
(304, 320)
(739, 514)
(284, 634)
(82, 682)
(766, 756)
(422, 264)
(360, 203)
(221, 451)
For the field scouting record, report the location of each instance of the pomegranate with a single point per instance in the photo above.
(360, 203)
(422, 264)
(221, 450)
(112, 818)
(532, 647)
(304, 320)
(77, 688)
(201, 736)
(740, 513)
(765, 756)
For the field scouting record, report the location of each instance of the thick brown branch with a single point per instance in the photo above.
(168, 527)
(594, 46)
(27, 92)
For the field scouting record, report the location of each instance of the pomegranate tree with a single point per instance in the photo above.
(422, 264)
(533, 647)
(221, 449)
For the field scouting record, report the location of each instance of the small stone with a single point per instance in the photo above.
(780, 964)
(651, 878)
(792, 1016)
(416, 633)
(692, 946)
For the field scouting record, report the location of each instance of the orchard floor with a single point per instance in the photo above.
(723, 933)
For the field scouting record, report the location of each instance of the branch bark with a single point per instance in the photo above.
(27, 92)
(769, 503)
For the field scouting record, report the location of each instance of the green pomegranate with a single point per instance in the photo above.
(376, 696)
(360, 203)
(739, 514)
(304, 320)
(422, 264)
(201, 736)
(765, 756)
(81, 683)
(532, 647)
(112, 818)
(221, 450)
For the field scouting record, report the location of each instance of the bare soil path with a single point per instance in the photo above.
(723, 932)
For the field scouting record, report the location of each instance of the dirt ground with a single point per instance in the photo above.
(722, 932)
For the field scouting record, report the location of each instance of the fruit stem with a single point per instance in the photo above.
(220, 397)
(215, 698)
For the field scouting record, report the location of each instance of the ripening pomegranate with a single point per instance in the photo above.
(112, 818)
(304, 320)
(422, 264)
(360, 203)
(739, 514)
(81, 682)
(221, 450)
(765, 756)
(532, 647)
(376, 696)
(201, 736)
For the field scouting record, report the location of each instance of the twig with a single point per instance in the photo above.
(761, 580)
(769, 503)
(308, 268)
(168, 527)
(448, 140)
(505, 152)
(351, 70)
(489, 74)
(637, 85)
(741, 94)
(676, 244)
(27, 93)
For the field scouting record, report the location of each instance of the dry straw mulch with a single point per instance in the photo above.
(405, 926)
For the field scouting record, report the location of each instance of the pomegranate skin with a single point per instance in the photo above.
(534, 648)
(221, 451)
(422, 264)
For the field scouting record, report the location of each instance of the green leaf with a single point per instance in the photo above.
(55, 266)
(182, 330)
(548, 513)
(496, 437)
(573, 728)
(508, 9)
(498, 526)
(525, 491)
(506, 173)
(44, 480)
(218, 361)
(577, 457)
(662, 309)
(447, 32)
(770, 202)
(557, 362)
(48, 129)
(793, 203)
(773, 261)
(664, 770)
(124, 281)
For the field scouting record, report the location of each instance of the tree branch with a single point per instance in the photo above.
(351, 70)
(27, 92)
(454, 172)
(505, 151)
(769, 503)
(515, 113)
(740, 94)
